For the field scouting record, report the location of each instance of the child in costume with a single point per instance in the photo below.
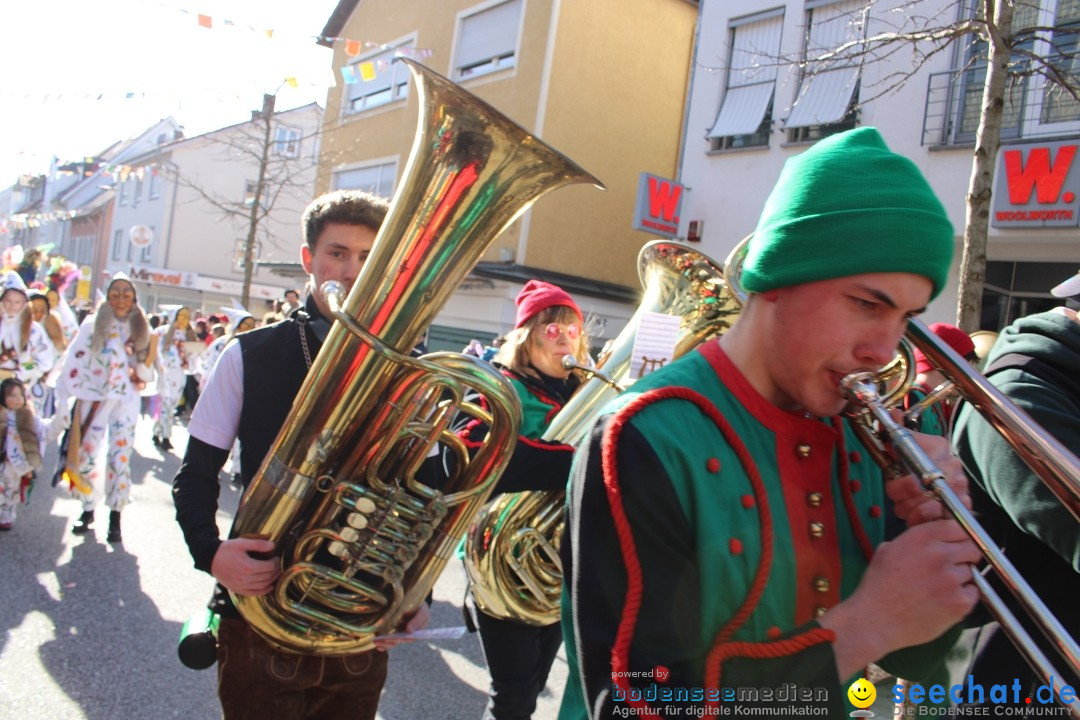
(23, 445)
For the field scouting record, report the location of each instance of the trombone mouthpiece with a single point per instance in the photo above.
(568, 362)
(860, 388)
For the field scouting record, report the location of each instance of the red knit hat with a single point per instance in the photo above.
(538, 295)
(954, 337)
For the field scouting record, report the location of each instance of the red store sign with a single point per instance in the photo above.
(1037, 185)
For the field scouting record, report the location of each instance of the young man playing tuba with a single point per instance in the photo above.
(248, 396)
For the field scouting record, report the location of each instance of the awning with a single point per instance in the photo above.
(743, 110)
(824, 98)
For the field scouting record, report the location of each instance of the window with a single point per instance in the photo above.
(239, 254)
(287, 142)
(380, 80)
(137, 194)
(122, 200)
(119, 240)
(146, 254)
(1058, 104)
(1034, 106)
(249, 195)
(84, 250)
(745, 116)
(155, 184)
(828, 95)
(973, 79)
(1017, 289)
(378, 179)
(487, 39)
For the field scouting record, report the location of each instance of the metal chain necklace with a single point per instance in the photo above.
(303, 341)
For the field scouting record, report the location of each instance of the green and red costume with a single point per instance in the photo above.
(707, 529)
(518, 655)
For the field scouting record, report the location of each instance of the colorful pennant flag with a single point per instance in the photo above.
(348, 74)
(205, 21)
(367, 71)
(352, 48)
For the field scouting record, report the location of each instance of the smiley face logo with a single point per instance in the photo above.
(862, 694)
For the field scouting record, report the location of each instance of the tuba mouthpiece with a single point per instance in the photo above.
(334, 292)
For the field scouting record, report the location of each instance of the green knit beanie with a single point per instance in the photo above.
(848, 206)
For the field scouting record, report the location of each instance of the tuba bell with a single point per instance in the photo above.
(511, 549)
(361, 539)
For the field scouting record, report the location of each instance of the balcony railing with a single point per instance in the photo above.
(954, 105)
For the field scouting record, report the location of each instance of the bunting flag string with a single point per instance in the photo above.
(24, 221)
(353, 47)
(86, 167)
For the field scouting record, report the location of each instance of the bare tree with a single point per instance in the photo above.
(280, 174)
(990, 32)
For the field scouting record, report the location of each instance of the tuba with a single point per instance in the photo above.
(511, 550)
(361, 539)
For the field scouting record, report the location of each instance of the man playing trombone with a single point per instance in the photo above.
(726, 527)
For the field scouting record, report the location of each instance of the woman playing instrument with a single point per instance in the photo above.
(548, 328)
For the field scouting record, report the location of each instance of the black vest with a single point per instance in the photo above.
(274, 370)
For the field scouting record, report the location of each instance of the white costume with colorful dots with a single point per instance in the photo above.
(102, 381)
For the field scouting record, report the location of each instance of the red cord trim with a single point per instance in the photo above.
(541, 445)
(765, 650)
(620, 652)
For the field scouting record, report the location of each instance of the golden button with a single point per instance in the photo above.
(803, 450)
(814, 499)
(817, 529)
(819, 611)
(822, 585)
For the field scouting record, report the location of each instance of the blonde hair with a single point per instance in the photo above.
(515, 352)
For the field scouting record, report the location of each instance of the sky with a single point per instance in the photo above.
(83, 74)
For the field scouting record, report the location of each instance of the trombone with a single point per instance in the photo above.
(1051, 461)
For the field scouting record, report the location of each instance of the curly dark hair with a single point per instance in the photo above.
(348, 207)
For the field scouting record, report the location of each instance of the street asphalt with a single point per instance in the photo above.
(90, 629)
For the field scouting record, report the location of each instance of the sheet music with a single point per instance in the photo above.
(440, 633)
(655, 343)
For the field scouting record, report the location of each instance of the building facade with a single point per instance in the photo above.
(603, 81)
(174, 213)
(752, 106)
(198, 202)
